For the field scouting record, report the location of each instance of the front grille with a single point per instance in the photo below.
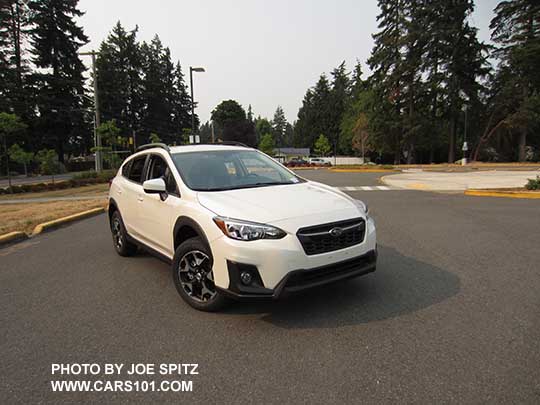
(319, 238)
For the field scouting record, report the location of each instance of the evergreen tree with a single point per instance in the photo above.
(357, 83)
(56, 38)
(181, 103)
(205, 132)
(14, 92)
(516, 30)
(119, 68)
(158, 91)
(339, 96)
(386, 62)
(322, 146)
(427, 64)
(289, 134)
(464, 63)
(314, 117)
(279, 126)
(353, 107)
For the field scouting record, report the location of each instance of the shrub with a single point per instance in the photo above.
(102, 177)
(533, 184)
(80, 179)
(106, 175)
(91, 174)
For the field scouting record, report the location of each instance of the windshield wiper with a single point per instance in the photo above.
(251, 185)
(263, 184)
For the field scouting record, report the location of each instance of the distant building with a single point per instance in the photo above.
(286, 154)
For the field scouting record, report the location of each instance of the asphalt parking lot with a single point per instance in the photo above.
(452, 314)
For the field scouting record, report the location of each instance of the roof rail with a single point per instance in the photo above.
(231, 143)
(153, 145)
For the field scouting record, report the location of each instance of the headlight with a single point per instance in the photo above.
(244, 230)
(362, 205)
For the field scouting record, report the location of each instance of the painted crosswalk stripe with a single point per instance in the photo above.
(383, 188)
(349, 188)
(366, 188)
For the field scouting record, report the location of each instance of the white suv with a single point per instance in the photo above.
(234, 223)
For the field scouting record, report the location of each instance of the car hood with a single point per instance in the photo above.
(299, 204)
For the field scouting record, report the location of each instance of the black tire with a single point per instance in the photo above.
(120, 241)
(194, 259)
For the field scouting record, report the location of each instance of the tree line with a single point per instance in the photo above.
(434, 89)
(46, 101)
(433, 86)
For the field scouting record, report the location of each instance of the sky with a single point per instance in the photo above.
(260, 52)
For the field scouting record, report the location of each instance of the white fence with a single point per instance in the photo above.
(344, 160)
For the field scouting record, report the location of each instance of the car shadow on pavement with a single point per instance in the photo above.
(401, 285)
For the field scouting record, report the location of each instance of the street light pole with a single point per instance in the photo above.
(191, 70)
(465, 146)
(97, 121)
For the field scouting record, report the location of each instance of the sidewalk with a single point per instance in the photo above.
(436, 181)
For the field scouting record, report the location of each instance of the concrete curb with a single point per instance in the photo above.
(507, 194)
(382, 180)
(55, 223)
(12, 237)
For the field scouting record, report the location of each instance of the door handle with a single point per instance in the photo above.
(140, 198)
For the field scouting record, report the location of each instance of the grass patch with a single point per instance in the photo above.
(25, 216)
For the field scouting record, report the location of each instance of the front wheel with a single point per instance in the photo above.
(193, 276)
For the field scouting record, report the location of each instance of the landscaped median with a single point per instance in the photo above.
(55, 223)
(28, 214)
(503, 193)
(17, 236)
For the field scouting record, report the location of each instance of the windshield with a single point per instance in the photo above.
(230, 169)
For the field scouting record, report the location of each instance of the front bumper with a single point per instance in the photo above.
(297, 280)
(274, 259)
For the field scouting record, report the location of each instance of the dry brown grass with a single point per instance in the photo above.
(25, 216)
(92, 189)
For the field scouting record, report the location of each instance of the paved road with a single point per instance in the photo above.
(452, 315)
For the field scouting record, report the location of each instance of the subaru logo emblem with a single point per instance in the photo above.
(335, 232)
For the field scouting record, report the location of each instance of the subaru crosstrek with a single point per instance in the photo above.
(235, 223)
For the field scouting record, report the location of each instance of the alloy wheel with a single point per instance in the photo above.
(195, 275)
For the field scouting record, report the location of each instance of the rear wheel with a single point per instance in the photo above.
(121, 244)
(193, 276)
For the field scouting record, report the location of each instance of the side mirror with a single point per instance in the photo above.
(155, 186)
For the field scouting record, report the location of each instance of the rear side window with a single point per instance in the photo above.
(125, 169)
(135, 174)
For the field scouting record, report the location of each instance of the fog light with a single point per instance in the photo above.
(246, 278)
